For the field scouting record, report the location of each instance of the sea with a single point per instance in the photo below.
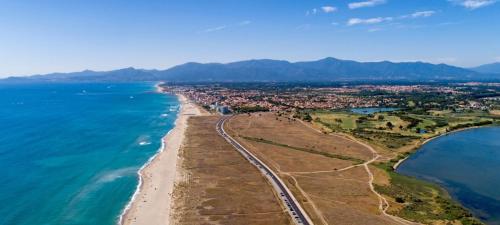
(70, 153)
(467, 165)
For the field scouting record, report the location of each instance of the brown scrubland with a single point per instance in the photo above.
(324, 172)
(218, 186)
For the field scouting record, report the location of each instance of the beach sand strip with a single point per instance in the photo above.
(151, 203)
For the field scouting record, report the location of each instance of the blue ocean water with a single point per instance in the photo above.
(467, 164)
(69, 153)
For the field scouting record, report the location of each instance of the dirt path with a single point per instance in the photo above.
(309, 200)
(383, 203)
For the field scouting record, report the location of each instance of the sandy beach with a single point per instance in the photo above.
(151, 203)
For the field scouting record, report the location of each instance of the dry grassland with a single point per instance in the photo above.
(219, 186)
(330, 188)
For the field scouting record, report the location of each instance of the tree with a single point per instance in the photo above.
(307, 117)
(389, 125)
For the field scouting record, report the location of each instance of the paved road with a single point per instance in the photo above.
(298, 214)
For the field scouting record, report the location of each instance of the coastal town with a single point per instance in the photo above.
(245, 97)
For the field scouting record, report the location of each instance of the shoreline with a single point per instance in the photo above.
(152, 199)
(139, 184)
(419, 145)
(446, 187)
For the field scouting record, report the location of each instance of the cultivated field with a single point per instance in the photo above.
(324, 172)
(219, 186)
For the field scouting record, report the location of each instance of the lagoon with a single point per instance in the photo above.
(367, 111)
(467, 165)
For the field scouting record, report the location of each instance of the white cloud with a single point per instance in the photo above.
(473, 4)
(213, 29)
(447, 23)
(423, 14)
(244, 23)
(497, 59)
(325, 9)
(419, 14)
(329, 9)
(303, 27)
(356, 21)
(223, 27)
(369, 3)
(335, 24)
(393, 21)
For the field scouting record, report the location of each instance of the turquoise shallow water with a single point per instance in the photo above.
(467, 164)
(69, 153)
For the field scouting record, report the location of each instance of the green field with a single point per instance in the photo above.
(342, 120)
(394, 130)
(421, 201)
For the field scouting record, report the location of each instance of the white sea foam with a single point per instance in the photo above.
(139, 172)
(174, 108)
(143, 140)
(113, 175)
(102, 179)
(139, 184)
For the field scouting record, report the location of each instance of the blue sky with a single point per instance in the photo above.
(42, 36)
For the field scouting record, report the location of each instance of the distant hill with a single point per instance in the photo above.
(328, 69)
(121, 75)
(488, 68)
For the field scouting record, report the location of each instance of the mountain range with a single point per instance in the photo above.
(488, 68)
(327, 69)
